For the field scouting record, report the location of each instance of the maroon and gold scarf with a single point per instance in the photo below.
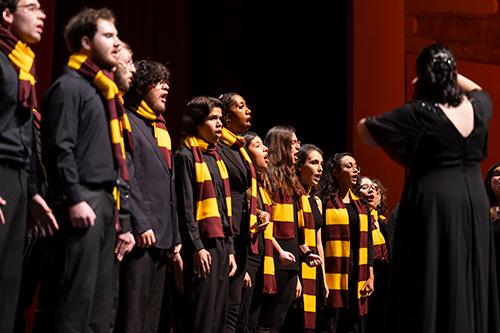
(270, 286)
(337, 251)
(119, 125)
(379, 244)
(237, 143)
(284, 228)
(160, 132)
(207, 211)
(23, 59)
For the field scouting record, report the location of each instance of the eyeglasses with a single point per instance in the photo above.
(295, 142)
(32, 8)
(374, 187)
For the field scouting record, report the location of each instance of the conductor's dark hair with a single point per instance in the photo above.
(437, 76)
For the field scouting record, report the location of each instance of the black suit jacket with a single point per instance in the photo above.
(239, 181)
(153, 200)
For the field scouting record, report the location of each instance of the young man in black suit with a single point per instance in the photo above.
(153, 203)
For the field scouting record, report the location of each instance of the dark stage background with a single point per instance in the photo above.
(276, 54)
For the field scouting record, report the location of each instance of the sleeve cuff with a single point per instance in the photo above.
(74, 194)
(198, 244)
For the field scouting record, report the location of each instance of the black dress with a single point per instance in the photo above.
(441, 262)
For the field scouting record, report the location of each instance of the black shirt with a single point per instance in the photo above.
(186, 189)
(75, 138)
(16, 125)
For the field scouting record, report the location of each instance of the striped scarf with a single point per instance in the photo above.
(118, 121)
(119, 125)
(207, 211)
(23, 59)
(270, 286)
(337, 251)
(284, 224)
(162, 137)
(379, 244)
(237, 143)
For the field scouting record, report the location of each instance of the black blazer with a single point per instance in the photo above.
(239, 181)
(152, 186)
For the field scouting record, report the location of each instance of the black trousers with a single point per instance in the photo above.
(14, 191)
(207, 298)
(252, 298)
(281, 302)
(236, 284)
(142, 280)
(38, 270)
(84, 299)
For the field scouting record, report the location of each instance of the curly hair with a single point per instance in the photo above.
(84, 24)
(281, 170)
(437, 76)
(328, 184)
(304, 151)
(148, 74)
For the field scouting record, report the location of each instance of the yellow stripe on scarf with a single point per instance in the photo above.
(308, 273)
(106, 85)
(207, 207)
(76, 60)
(337, 281)
(337, 216)
(377, 236)
(109, 90)
(269, 269)
(23, 57)
(162, 136)
(341, 248)
(283, 212)
(201, 172)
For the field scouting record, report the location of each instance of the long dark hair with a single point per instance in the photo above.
(328, 184)
(281, 170)
(437, 76)
(262, 178)
(304, 151)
